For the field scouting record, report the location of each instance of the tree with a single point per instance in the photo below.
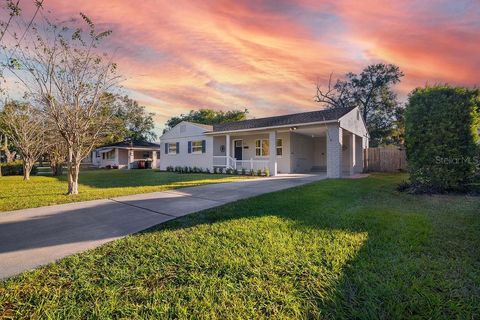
(5, 146)
(441, 137)
(371, 91)
(134, 120)
(67, 77)
(207, 116)
(26, 128)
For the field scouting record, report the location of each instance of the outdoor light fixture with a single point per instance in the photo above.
(293, 128)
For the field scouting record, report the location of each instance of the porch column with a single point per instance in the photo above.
(272, 152)
(334, 151)
(353, 151)
(130, 159)
(227, 149)
(154, 159)
(116, 157)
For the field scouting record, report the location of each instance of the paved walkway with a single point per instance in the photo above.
(33, 237)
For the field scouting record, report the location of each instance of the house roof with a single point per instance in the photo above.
(134, 144)
(290, 119)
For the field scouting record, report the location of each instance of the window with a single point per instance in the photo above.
(110, 155)
(261, 147)
(172, 148)
(279, 147)
(197, 146)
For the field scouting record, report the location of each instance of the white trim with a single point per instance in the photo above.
(168, 148)
(201, 147)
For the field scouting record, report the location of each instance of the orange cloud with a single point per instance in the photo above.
(268, 55)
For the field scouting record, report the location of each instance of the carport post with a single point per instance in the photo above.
(130, 159)
(272, 152)
(352, 147)
(334, 150)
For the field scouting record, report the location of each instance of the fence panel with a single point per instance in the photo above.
(385, 159)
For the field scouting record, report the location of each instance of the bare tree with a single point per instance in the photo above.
(25, 127)
(56, 151)
(9, 155)
(66, 75)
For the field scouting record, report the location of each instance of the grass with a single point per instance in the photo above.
(96, 184)
(332, 249)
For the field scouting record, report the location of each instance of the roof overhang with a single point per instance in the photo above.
(213, 133)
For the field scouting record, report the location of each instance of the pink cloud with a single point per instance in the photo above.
(268, 55)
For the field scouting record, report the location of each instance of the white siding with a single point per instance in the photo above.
(183, 133)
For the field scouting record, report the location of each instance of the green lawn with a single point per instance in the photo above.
(96, 184)
(332, 249)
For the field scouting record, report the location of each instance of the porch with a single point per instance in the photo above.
(322, 148)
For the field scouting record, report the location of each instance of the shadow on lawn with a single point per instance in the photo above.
(395, 274)
(399, 270)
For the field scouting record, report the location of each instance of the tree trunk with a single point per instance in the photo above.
(27, 168)
(73, 171)
(56, 168)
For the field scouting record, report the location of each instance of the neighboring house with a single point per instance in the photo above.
(327, 140)
(127, 155)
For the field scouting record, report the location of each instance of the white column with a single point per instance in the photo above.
(353, 152)
(130, 158)
(154, 159)
(116, 157)
(334, 151)
(227, 149)
(272, 152)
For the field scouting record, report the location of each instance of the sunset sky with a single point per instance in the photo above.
(268, 55)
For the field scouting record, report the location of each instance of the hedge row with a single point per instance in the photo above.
(243, 172)
(441, 136)
(15, 169)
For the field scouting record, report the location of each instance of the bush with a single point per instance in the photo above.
(441, 124)
(267, 172)
(15, 168)
(259, 172)
(244, 172)
(170, 169)
(252, 173)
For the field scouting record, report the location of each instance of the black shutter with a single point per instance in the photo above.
(189, 146)
(204, 145)
(178, 147)
(166, 148)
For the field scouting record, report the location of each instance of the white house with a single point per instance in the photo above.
(127, 155)
(329, 140)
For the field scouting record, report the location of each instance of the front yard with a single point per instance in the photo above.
(332, 249)
(96, 184)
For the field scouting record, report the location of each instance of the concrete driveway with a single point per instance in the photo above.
(33, 237)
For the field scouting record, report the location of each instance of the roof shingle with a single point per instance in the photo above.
(290, 119)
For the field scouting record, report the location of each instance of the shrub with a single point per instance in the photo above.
(267, 172)
(170, 169)
(229, 171)
(244, 172)
(441, 137)
(207, 170)
(235, 172)
(215, 170)
(15, 168)
(252, 173)
(259, 172)
(220, 170)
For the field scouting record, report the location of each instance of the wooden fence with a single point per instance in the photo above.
(385, 159)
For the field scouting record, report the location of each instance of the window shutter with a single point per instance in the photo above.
(166, 148)
(204, 144)
(189, 146)
(178, 147)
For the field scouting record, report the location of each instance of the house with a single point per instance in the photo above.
(127, 155)
(329, 140)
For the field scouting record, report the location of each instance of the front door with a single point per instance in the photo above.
(238, 149)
